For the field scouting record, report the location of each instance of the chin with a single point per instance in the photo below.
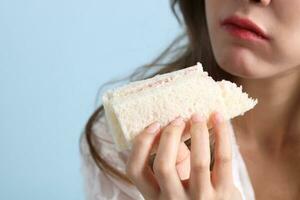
(241, 63)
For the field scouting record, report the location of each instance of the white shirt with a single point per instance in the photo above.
(101, 186)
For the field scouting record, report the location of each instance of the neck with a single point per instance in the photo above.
(273, 120)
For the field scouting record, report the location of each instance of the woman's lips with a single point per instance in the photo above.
(243, 29)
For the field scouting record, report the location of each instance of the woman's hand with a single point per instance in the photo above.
(164, 182)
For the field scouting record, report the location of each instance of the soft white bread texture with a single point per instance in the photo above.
(130, 108)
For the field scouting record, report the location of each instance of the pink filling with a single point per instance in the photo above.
(160, 82)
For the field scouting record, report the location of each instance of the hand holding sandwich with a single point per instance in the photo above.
(164, 181)
(132, 107)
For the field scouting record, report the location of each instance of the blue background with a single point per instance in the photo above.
(54, 56)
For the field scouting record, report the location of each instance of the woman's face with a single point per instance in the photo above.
(245, 54)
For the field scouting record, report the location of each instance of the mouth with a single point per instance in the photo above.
(244, 28)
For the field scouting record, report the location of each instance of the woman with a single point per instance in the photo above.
(253, 43)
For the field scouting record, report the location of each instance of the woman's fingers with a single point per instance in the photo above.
(165, 160)
(170, 163)
(137, 167)
(222, 170)
(200, 182)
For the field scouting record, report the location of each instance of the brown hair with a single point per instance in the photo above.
(197, 48)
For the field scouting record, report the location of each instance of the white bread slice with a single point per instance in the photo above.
(130, 108)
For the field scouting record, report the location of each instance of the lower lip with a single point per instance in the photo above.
(242, 33)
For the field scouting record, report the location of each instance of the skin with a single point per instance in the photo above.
(268, 135)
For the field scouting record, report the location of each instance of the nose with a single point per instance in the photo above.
(263, 2)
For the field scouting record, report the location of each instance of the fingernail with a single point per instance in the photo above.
(153, 127)
(219, 118)
(197, 117)
(178, 121)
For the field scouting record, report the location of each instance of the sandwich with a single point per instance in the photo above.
(132, 107)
